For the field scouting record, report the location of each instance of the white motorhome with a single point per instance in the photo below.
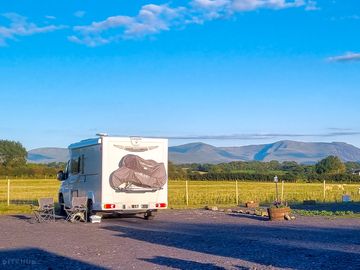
(125, 175)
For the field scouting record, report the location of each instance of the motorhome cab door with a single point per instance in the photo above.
(74, 178)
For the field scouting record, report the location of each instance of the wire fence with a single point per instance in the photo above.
(184, 193)
(201, 193)
(27, 191)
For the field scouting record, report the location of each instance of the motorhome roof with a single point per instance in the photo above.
(94, 141)
(84, 143)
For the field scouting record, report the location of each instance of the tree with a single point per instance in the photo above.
(330, 165)
(12, 154)
(351, 166)
(176, 172)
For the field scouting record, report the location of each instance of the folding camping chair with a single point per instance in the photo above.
(45, 211)
(78, 210)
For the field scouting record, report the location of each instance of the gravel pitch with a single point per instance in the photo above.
(186, 239)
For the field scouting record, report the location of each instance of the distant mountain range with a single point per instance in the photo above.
(48, 155)
(301, 152)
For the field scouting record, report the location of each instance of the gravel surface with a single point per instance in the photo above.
(186, 239)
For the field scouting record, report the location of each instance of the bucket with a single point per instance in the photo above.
(95, 219)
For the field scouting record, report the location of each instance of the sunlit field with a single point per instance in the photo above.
(203, 193)
(200, 193)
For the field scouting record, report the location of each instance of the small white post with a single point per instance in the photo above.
(282, 191)
(276, 180)
(324, 190)
(187, 192)
(8, 191)
(237, 192)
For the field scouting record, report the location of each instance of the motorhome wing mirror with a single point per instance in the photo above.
(60, 175)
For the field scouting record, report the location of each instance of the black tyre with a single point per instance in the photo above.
(149, 215)
(89, 209)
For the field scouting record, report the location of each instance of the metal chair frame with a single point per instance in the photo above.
(78, 210)
(45, 211)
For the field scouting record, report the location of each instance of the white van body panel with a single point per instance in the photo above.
(93, 161)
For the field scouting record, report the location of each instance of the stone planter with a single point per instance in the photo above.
(278, 213)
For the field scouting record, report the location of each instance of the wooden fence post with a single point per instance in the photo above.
(237, 192)
(282, 191)
(324, 191)
(187, 192)
(8, 191)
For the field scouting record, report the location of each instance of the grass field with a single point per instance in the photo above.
(224, 192)
(201, 193)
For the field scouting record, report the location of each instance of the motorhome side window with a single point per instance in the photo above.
(67, 168)
(82, 160)
(75, 165)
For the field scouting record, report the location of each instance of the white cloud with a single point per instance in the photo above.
(89, 40)
(80, 13)
(206, 10)
(350, 56)
(111, 22)
(349, 17)
(247, 5)
(210, 3)
(19, 26)
(311, 5)
(50, 17)
(152, 19)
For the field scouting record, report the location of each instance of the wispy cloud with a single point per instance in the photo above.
(311, 5)
(80, 13)
(152, 19)
(264, 136)
(50, 17)
(339, 129)
(350, 56)
(19, 26)
(348, 17)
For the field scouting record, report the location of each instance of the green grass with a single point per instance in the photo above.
(325, 213)
(201, 193)
(223, 192)
(14, 209)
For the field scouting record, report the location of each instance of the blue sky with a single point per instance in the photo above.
(225, 72)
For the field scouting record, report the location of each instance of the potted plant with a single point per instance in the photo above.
(278, 210)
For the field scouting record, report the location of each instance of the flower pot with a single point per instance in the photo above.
(278, 213)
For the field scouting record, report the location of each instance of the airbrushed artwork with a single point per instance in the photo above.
(134, 170)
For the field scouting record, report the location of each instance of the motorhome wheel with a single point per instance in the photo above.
(62, 206)
(149, 215)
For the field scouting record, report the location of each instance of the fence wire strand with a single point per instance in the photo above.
(200, 193)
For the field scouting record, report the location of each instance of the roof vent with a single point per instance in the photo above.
(102, 134)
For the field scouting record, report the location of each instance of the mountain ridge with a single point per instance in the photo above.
(301, 152)
(48, 155)
(199, 152)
